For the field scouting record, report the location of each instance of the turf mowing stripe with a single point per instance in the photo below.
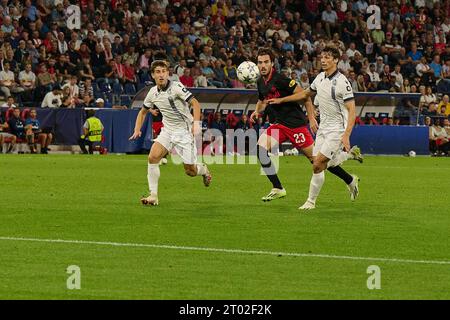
(218, 250)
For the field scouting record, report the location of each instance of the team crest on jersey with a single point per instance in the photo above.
(292, 83)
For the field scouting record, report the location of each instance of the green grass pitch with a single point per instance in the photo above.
(402, 213)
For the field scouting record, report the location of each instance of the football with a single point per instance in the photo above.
(248, 72)
(412, 153)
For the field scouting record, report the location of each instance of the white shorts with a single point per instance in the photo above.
(328, 143)
(182, 141)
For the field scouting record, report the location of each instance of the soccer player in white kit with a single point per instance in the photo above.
(173, 101)
(334, 96)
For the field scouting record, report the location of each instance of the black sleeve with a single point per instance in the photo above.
(260, 95)
(286, 84)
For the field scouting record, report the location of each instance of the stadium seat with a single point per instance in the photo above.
(8, 114)
(359, 121)
(143, 78)
(140, 86)
(117, 89)
(130, 89)
(96, 89)
(125, 100)
(109, 96)
(104, 87)
(238, 112)
(383, 115)
(25, 114)
(208, 111)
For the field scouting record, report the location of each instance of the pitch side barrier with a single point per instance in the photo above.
(66, 124)
(374, 112)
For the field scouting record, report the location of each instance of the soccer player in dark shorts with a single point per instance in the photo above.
(291, 123)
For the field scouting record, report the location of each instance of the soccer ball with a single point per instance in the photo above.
(412, 153)
(248, 72)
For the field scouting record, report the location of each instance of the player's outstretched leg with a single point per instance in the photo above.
(353, 187)
(356, 154)
(341, 156)
(277, 191)
(199, 170)
(350, 180)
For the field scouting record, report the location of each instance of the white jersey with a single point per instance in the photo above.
(332, 93)
(173, 103)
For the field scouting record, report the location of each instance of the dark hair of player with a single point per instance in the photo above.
(333, 51)
(266, 51)
(158, 63)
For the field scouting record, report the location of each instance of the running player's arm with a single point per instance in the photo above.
(141, 116)
(349, 102)
(296, 96)
(195, 105)
(350, 105)
(260, 107)
(184, 94)
(310, 110)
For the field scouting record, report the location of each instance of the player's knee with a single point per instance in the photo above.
(318, 166)
(191, 172)
(152, 159)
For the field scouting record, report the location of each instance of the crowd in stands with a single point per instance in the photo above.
(67, 53)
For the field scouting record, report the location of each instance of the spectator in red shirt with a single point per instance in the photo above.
(129, 74)
(186, 79)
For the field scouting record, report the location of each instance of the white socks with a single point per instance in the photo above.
(153, 177)
(338, 159)
(316, 184)
(201, 169)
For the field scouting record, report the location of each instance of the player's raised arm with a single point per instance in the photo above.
(139, 121)
(350, 105)
(297, 96)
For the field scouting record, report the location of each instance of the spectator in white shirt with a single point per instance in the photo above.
(53, 99)
(73, 89)
(62, 44)
(173, 76)
(379, 65)
(351, 50)
(373, 75)
(398, 78)
(329, 19)
(27, 78)
(344, 64)
(423, 67)
(303, 40)
(284, 34)
(361, 6)
(7, 81)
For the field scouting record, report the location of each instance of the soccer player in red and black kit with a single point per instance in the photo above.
(290, 120)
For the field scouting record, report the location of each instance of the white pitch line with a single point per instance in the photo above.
(219, 250)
